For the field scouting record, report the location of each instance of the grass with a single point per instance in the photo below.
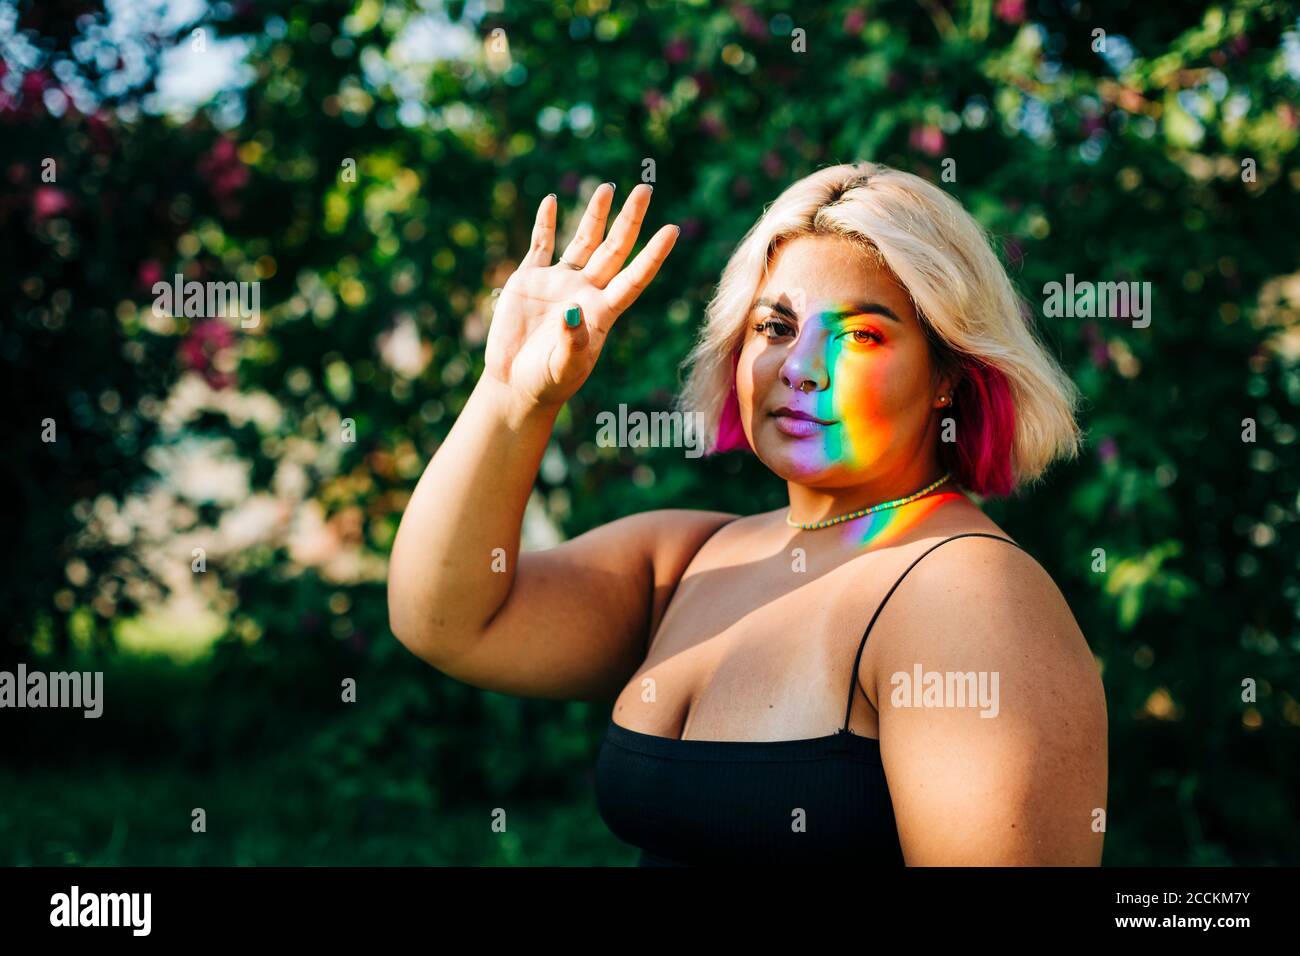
(265, 815)
(282, 780)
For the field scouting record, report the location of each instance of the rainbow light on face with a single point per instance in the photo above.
(861, 433)
(980, 459)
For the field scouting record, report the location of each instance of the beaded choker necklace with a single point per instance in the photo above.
(814, 525)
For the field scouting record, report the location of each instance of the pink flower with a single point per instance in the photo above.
(854, 21)
(772, 164)
(652, 99)
(1098, 352)
(48, 202)
(677, 50)
(34, 84)
(711, 125)
(927, 139)
(1010, 11)
(223, 152)
(751, 22)
(199, 349)
(150, 271)
(1107, 450)
(225, 171)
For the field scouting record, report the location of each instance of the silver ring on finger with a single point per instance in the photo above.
(565, 262)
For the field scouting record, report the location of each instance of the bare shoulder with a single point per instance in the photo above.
(984, 603)
(658, 544)
(996, 568)
(661, 533)
(673, 531)
(674, 538)
(1030, 784)
(987, 587)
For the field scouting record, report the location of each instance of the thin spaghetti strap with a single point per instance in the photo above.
(853, 675)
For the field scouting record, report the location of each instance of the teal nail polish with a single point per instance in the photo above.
(572, 316)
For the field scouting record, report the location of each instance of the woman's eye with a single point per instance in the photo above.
(865, 336)
(774, 325)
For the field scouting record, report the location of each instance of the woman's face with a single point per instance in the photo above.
(834, 336)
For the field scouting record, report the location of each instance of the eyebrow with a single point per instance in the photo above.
(856, 308)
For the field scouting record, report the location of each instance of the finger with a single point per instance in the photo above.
(543, 241)
(571, 343)
(626, 287)
(609, 258)
(592, 228)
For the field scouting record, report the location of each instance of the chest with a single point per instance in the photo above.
(758, 650)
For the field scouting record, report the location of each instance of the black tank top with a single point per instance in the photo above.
(812, 801)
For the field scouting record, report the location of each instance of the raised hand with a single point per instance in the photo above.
(531, 347)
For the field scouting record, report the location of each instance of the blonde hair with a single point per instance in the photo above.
(1014, 405)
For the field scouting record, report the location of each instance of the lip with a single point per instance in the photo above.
(797, 424)
(785, 411)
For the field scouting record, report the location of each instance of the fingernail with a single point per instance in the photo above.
(611, 186)
(650, 187)
(550, 195)
(678, 228)
(572, 316)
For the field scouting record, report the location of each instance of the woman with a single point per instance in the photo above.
(866, 345)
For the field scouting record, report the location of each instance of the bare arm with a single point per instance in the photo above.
(442, 586)
(577, 621)
(456, 557)
(1025, 785)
